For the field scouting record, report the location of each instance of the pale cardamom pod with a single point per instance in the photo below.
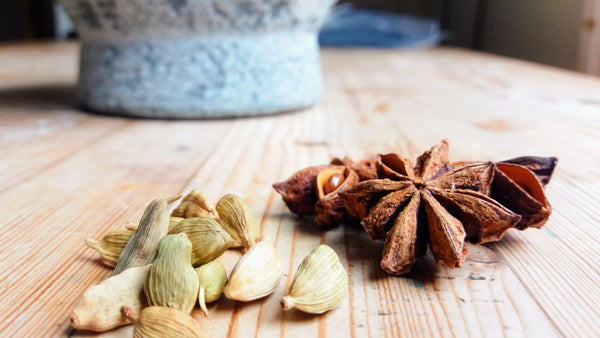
(195, 204)
(172, 281)
(99, 307)
(209, 240)
(173, 221)
(256, 274)
(131, 226)
(320, 283)
(236, 217)
(162, 322)
(141, 247)
(110, 246)
(212, 277)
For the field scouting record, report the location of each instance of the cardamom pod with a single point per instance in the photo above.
(256, 274)
(212, 277)
(195, 204)
(141, 247)
(320, 283)
(173, 221)
(235, 217)
(172, 281)
(209, 240)
(162, 322)
(110, 246)
(99, 307)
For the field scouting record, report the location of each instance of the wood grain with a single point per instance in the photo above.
(67, 175)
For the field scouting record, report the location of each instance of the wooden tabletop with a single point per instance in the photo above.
(67, 175)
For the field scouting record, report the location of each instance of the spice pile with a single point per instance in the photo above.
(166, 265)
(431, 204)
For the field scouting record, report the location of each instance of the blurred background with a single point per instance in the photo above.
(561, 33)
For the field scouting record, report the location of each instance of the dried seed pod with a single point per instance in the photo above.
(299, 192)
(320, 283)
(236, 218)
(141, 248)
(209, 240)
(172, 281)
(195, 204)
(365, 167)
(162, 322)
(110, 246)
(173, 221)
(517, 188)
(256, 274)
(99, 307)
(212, 277)
(542, 167)
(330, 183)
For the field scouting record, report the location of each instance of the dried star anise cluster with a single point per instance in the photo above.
(432, 203)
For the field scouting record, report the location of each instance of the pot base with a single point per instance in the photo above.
(201, 77)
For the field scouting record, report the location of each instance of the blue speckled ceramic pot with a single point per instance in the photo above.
(198, 58)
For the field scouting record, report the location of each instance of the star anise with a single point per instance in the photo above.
(429, 204)
(518, 184)
(542, 167)
(520, 189)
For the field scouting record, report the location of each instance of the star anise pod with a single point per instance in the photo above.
(518, 184)
(520, 190)
(542, 167)
(429, 204)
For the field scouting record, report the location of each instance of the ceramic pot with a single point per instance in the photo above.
(198, 58)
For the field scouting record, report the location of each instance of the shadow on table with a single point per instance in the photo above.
(39, 97)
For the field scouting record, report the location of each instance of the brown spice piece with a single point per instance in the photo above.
(428, 204)
(299, 192)
(519, 185)
(542, 167)
(518, 188)
(365, 168)
(330, 183)
(316, 189)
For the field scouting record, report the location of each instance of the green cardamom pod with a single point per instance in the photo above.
(257, 274)
(141, 247)
(99, 307)
(110, 246)
(195, 204)
(173, 221)
(162, 322)
(236, 217)
(209, 240)
(172, 281)
(212, 277)
(320, 283)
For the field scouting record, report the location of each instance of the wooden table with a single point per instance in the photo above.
(67, 175)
